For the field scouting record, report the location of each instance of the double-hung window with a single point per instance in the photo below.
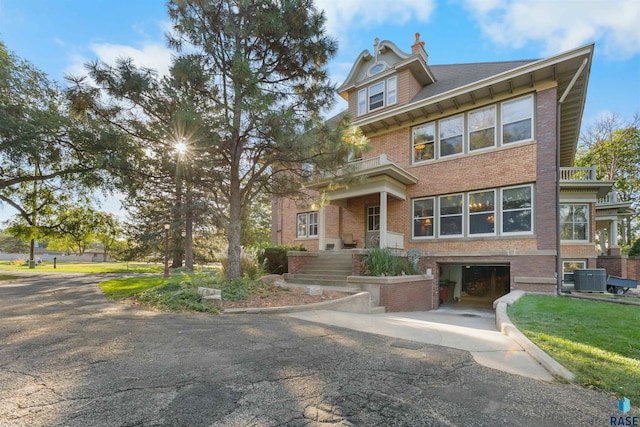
(378, 95)
(490, 212)
(392, 90)
(362, 101)
(482, 212)
(517, 210)
(424, 138)
(450, 215)
(423, 217)
(307, 225)
(451, 131)
(574, 222)
(517, 120)
(482, 128)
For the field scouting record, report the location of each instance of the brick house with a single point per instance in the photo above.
(466, 163)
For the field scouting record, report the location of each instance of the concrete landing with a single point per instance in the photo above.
(471, 330)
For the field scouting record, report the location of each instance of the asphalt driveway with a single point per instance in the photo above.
(70, 357)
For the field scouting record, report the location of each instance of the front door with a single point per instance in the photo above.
(372, 232)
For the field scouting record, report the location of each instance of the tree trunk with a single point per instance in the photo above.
(32, 253)
(188, 236)
(235, 223)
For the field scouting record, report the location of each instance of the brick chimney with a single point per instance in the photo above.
(418, 49)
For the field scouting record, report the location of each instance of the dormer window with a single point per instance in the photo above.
(378, 95)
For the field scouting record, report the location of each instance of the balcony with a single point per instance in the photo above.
(578, 174)
(582, 179)
(380, 166)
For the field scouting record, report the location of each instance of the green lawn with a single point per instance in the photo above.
(84, 267)
(119, 289)
(597, 341)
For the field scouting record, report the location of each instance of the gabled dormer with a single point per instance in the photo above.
(385, 78)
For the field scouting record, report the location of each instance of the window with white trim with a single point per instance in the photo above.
(378, 95)
(424, 138)
(482, 128)
(392, 90)
(362, 101)
(517, 210)
(574, 222)
(451, 131)
(307, 224)
(482, 213)
(450, 215)
(498, 211)
(373, 218)
(569, 267)
(517, 120)
(423, 217)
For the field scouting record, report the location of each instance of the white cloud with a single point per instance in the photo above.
(343, 15)
(561, 25)
(150, 55)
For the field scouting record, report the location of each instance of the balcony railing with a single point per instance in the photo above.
(612, 197)
(578, 174)
(364, 164)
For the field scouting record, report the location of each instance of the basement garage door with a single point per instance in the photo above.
(473, 285)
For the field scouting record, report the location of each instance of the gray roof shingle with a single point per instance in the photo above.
(452, 76)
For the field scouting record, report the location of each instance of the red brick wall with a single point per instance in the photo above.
(615, 265)
(410, 296)
(633, 268)
(296, 261)
(545, 203)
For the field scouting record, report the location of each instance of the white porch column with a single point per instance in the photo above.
(613, 233)
(383, 219)
(321, 230)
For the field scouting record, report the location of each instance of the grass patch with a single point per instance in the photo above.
(180, 292)
(7, 277)
(119, 289)
(83, 267)
(597, 341)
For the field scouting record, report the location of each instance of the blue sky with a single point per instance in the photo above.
(60, 36)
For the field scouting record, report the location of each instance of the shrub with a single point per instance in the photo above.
(274, 258)
(384, 262)
(635, 248)
(178, 294)
(249, 266)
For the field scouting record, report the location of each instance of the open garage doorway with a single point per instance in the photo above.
(473, 285)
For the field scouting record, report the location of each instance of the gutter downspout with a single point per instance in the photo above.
(558, 113)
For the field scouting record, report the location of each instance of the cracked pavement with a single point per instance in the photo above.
(70, 357)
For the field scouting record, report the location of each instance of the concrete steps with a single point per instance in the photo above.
(330, 271)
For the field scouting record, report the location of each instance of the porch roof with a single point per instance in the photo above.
(365, 177)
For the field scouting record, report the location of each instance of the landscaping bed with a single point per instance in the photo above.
(283, 297)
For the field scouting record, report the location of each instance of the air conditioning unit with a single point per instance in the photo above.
(590, 280)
